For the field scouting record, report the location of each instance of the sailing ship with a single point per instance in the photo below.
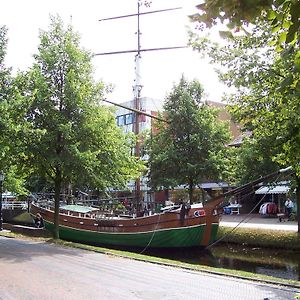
(174, 227)
(177, 226)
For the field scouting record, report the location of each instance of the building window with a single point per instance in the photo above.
(128, 119)
(125, 119)
(121, 120)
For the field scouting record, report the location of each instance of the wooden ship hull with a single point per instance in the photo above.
(169, 229)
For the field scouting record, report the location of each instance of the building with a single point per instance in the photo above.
(126, 118)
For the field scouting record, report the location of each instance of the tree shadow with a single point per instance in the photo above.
(19, 250)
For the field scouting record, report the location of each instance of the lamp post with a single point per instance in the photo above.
(1, 188)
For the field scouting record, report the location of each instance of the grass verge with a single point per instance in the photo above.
(261, 238)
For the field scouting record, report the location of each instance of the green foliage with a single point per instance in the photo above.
(282, 15)
(3, 46)
(283, 29)
(255, 160)
(15, 175)
(59, 130)
(266, 100)
(58, 120)
(235, 13)
(268, 83)
(191, 148)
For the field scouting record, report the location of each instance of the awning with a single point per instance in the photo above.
(213, 185)
(277, 189)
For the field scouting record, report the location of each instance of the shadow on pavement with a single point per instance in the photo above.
(16, 250)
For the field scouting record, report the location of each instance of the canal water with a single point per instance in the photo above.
(273, 262)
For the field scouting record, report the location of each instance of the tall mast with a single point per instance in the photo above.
(137, 104)
(137, 87)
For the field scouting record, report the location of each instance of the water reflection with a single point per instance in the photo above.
(277, 263)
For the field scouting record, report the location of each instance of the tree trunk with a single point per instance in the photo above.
(56, 203)
(191, 192)
(298, 202)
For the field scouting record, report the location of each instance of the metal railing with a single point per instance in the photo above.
(15, 205)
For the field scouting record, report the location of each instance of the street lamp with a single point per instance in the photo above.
(2, 176)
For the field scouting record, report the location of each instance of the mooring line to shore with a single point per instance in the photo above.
(146, 247)
(247, 217)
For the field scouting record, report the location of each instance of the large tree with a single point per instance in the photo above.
(283, 16)
(255, 159)
(267, 85)
(190, 148)
(67, 136)
(15, 174)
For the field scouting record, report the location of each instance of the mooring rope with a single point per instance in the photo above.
(154, 231)
(243, 220)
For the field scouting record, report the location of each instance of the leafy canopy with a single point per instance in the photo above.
(56, 118)
(67, 134)
(266, 100)
(15, 174)
(283, 15)
(190, 149)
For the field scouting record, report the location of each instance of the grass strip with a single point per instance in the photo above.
(267, 238)
(174, 263)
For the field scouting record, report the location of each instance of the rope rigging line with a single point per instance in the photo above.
(247, 217)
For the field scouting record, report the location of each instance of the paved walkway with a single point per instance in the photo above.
(38, 270)
(257, 221)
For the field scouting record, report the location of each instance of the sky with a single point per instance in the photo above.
(159, 70)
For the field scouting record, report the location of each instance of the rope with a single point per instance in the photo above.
(243, 220)
(147, 246)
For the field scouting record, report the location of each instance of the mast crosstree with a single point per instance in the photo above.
(137, 87)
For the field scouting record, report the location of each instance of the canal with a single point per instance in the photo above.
(273, 262)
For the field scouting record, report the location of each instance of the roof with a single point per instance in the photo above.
(277, 189)
(78, 208)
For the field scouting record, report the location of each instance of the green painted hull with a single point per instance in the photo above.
(168, 238)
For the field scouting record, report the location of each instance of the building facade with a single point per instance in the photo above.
(131, 121)
(126, 118)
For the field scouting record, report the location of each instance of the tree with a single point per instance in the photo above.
(67, 136)
(15, 176)
(267, 85)
(283, 26)
(191, 148)
(283, 16)
(254, 159)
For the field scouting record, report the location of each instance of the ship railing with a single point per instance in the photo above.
(45, 204)
(14, 205)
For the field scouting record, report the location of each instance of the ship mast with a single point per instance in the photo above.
(137, 87)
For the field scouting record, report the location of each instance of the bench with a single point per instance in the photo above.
(282, 217)
(232, 208)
